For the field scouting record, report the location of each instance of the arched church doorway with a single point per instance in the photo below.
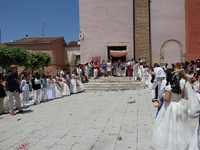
(171, 52)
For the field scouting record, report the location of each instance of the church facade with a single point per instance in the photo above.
(153, 30)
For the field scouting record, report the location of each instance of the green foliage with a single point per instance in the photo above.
(22, 57)
(19, 56)
(5, 57)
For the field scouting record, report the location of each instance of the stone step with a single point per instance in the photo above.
(87, 89)
(112, 81)
(112, 84)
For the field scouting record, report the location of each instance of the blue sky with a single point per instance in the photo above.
(21, 17)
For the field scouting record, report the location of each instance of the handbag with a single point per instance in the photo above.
(198, 134)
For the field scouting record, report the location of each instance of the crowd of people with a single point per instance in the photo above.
(15, 88)
(176, 92)
(119, 68)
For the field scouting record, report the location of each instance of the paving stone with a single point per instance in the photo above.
(82, 147)
(88, 139)
(128, 129)
(104, 146)
(128, 137)
(122, 145)
(108, 138)
(48, 141)
(60, 147)
(68, 140)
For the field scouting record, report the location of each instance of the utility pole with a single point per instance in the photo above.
(43, 27)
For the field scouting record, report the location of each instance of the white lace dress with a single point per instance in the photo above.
(80, 87)
(58, 88)
(65, 88)
(194, 112)
(73, 88)
(50, 91)
(118, 70)
(171, 129)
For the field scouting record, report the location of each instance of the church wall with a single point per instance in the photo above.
(167, 26)
(102, 23)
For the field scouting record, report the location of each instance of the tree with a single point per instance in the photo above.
(38, 60)
(5, 57)
(22, 57)
(19, 56)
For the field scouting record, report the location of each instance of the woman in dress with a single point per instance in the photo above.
(89, 66)
(114, 65)
(123, 67)
(119, 68)
(128, 66)
(65, 87)
(50, 89)
(171, 129)
(140, 69)
(103, 68)
(95, 69)
(108, 67)
(58, 87)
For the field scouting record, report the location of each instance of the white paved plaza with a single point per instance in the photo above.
(115, 120)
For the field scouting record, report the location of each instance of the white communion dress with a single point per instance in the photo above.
(65, 88)
(80, 87)
(194, 112)
(73, 88)
(58, 88)
(76, 85)
(171, 129)
(50, 91)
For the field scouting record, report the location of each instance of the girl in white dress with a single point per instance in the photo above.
(58, 87)
(65, 87)
(194, 112)
(79, 85)
(171, 129)
(73, 88)
(50, 89)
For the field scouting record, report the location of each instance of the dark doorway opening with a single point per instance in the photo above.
(118, 50)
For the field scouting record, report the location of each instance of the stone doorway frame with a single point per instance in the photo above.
(127, 44)
(162, 51)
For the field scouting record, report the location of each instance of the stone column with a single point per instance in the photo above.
(142, 32)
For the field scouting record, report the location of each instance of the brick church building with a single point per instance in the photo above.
(153, 30)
